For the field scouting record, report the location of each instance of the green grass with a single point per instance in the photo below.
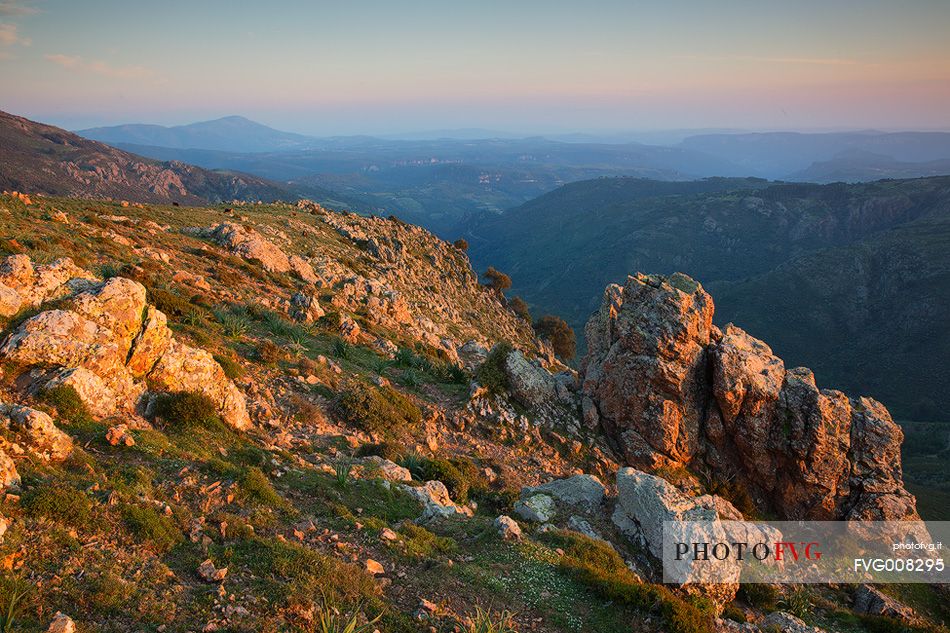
(380, 410)
(59, 502)
(599, 566)
(418, 543)
(148, 525)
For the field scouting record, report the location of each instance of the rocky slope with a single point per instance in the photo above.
(45, 159)
(280, 417)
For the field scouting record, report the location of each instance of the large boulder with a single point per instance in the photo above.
(645, 367)
(435, 500)
(107, 343)
(672, 390)
(24, 285)
(185, 368)
(530, 384)
(250, 245)
(578, 490)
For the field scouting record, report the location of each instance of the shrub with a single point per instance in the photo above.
(760, 596)
(185, 408)
(59, 502)
(557, 332)
(257, 487)
(232, 368)
(148, 524)
(69, 406)
(520, 307)
(460, 244)
(169, 303)
(491, 374)
(598, 565)
(497, 280)
(380, 410)
(269, 352)
(421, 543)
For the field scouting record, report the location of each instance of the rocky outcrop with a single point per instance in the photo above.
(248, 244)
(185, 368)
(435, 500)
(35, 431)
(23, 285)
(107, 343)
(672, 390)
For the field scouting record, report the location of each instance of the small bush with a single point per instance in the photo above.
(421, 543)
(491, 374)
(460, 244)
(269, 352)
(380, 410)
(760, 596)
(149, 525)
(520, 307)
(459, 476)
(256, 486)
(186, 408)
(557, 332)
(232, 368)
(67, 403)
(59, 502)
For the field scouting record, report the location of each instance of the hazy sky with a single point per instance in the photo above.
(357, 66)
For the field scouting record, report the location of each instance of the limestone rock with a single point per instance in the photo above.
(530, 384)
(645, 366)
(209, 573)
(578, 490)
(507, 528)
(10, 301)
(119, 434)
(786, 623)
(302, 268)
(99, 399)
(374, 568)
(61, 623)
(388, 469)
(8, 472)
(250, 245)
(537, 507)
(435, 499)
(870, 601)
(185, 368)
(305, 308)
(36, 431)
(647, 501)
(151, 342)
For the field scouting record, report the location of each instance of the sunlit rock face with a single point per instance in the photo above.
(673, 391)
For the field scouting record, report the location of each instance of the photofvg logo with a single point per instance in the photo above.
(710, 552)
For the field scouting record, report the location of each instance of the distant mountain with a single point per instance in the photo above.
(39, 158)
(781, 154)
(857, 165)
(866, 265)
(228, 134)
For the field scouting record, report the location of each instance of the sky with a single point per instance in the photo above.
(378, 67)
